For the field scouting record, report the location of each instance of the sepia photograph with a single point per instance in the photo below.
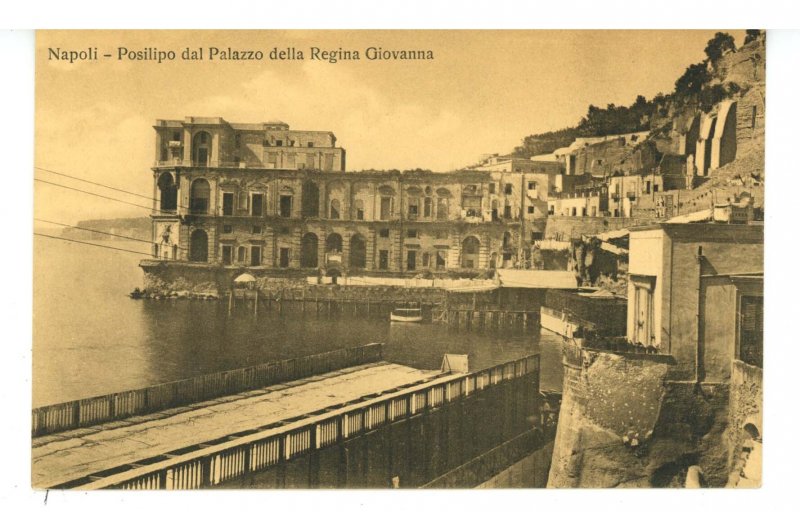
(398, 259)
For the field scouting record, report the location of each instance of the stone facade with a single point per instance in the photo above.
(240, 195)
(686, 283)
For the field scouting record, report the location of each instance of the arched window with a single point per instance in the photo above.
(168, 191)
(200, 196)
(470, 249)
(201, 149)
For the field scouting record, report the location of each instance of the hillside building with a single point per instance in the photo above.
(687, 282)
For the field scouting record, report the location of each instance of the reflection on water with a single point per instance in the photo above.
(91, 339)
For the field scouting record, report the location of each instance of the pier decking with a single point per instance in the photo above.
(71, 455)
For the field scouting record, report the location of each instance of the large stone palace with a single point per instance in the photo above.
(262, 195)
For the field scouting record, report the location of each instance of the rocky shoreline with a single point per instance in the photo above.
(172, 295)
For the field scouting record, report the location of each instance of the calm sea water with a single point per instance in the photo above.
(91, 339)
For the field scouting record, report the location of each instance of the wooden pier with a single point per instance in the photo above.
(409, 426)
(470, 317)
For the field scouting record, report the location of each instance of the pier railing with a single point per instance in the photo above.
(115, 406)
(235, 456)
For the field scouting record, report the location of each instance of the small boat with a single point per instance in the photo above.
(406, 315)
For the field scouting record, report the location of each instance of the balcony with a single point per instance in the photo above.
(333, 257)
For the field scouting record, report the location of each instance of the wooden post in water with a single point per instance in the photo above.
(255, 306)
(230, 302)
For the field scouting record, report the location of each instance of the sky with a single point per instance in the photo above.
(482, 93)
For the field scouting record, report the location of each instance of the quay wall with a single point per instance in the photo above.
(623, 423)
(529, 473)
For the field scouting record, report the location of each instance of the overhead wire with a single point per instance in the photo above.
(93, 230)
(70, 176)
(92, 244)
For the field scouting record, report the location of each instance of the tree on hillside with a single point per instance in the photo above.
(692, 81)
(719, 45)
(751, 35)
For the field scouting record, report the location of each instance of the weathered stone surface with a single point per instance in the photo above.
(623, 424)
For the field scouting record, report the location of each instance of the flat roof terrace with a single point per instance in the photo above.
(71, 455)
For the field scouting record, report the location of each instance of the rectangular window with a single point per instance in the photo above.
(411, 263)
(227, 203)
(413, 210)
(360, 213)
(286, 206)
(386, 208)
(428, 211)
(283, 261)
(384, 233)
(227, 228)
(279, 143)
(442, 208)
(751, 330)
(507, 211)
(257, 205)
(491, 188)
(411, 233)
(227, 254)
(426, 260)
(257, 229)
(383, 259)
(531, 185)
(441, 260)
(311, 144)
(255, 256)
(176, 136)
(531, 210)
(594, 211)
(509, 189)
